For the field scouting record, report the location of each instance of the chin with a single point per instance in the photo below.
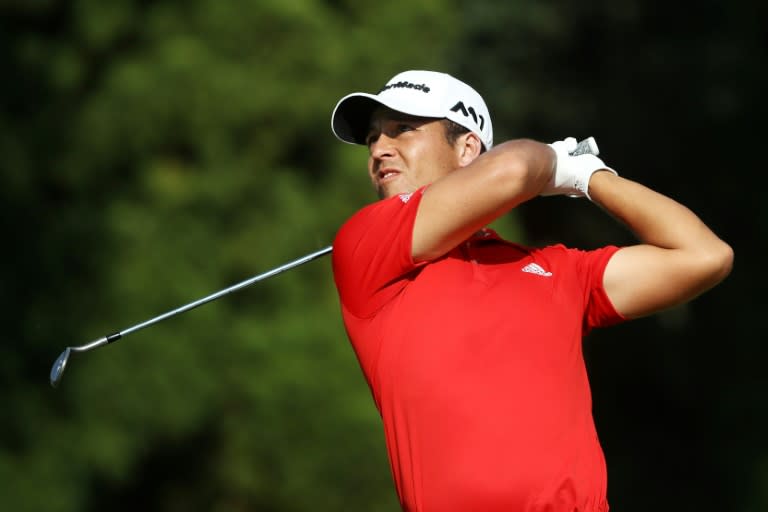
(386, 193)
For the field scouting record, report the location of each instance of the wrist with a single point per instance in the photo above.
(600, 178)
(551, 167)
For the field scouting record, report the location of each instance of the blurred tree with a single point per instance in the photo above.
(152, 152)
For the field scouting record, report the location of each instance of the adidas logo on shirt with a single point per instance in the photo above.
(533, 268)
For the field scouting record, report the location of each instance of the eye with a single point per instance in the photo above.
(404, 127)
(371, 138)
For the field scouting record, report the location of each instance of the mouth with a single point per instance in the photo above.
(386, 175)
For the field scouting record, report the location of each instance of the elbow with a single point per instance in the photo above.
(725, 261)
(717, 262)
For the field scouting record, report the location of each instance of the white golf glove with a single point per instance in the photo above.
(572, 173)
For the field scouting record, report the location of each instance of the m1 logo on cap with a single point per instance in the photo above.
(468, 112)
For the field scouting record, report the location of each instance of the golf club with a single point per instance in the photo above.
(61, 362)
(587, 145)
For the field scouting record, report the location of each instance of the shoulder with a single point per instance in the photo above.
(393, 203)
(564, 252)
(584, 265)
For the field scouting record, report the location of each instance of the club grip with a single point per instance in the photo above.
(586, 146)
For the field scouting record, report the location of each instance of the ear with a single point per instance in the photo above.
(468, 147)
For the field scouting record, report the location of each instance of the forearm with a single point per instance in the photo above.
(654, 218)
(679, 257)
(469, 198)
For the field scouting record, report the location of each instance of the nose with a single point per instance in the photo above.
(382, 147)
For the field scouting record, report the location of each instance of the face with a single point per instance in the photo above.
(407, 152)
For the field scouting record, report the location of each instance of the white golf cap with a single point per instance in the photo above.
(418, 93)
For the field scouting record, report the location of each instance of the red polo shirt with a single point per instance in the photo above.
(475, 364)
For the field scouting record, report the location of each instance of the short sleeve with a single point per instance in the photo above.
(372, 253)
(599, 311)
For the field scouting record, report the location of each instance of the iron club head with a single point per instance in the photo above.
(58, 367)
(61, 362)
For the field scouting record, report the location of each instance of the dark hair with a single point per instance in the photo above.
(454, 130)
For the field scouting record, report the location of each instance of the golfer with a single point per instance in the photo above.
(471, 344)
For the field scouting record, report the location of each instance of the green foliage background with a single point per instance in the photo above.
(154, 152)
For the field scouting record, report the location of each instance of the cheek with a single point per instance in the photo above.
(442, 161)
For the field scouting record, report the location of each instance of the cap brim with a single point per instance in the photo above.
(352, 115)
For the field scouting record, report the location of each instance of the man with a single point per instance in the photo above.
(471, 345)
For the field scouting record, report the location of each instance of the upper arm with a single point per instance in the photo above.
(643, 279)
(469, 198)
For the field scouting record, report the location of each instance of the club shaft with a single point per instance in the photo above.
(221, 293)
